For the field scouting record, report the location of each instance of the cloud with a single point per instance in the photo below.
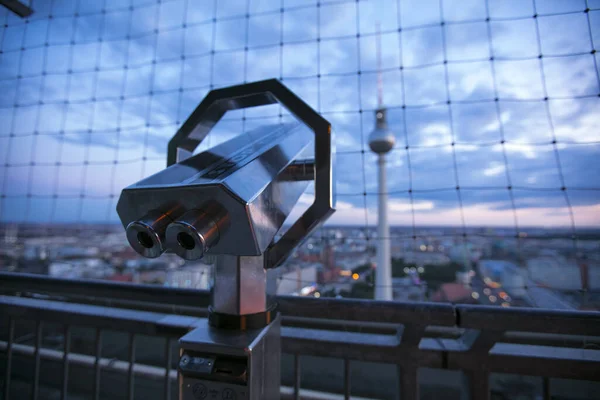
(405, 206)
(494, 169)
(477, 216)
(167, 76)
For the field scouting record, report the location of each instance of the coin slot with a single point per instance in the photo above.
(225, 371)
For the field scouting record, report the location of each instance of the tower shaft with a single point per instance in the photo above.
(383, 275)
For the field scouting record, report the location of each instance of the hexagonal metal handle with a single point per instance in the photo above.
(218, 102)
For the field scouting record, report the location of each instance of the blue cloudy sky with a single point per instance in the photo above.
(91, 92)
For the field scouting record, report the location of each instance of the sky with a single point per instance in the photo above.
(93, 91)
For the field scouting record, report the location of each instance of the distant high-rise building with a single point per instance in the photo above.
(328, 256)
(381, 141)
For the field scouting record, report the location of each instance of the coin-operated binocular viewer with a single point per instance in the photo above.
(230, 202)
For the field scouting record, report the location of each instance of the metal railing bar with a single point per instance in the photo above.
(66, 350)
(540, 360)
(341, 337)
(9, 351)
(442, 344)
(354, 346)
(85, 360)
(130, 377)
(141, 322)
(351, 345)
(409, 381)
(168, 357)
(18, 7)
(96, 288)
(368, 310)
(307, 394)
(125, 304)
(97, 364)
(347, 383)
(36, 368)
(467, 316)
(479, 384)
(146, 371)
(399, 382)
(202, 312)
(296, 376)
(490, 318)
(393, 312)
(24, 338)
(578, 364)
(352, 326)
(548, 361)
(411, 335)
(546, 388)
(488, 323)
(480, 341)
(552, 367)
(550, 339)
(347, 326)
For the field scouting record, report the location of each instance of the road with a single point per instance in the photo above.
(536, 296)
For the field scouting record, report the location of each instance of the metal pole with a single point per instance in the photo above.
(383, 281)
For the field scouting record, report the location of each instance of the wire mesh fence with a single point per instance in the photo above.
(494, 106)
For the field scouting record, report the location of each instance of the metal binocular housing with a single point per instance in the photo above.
(234, 198)
(231, 201)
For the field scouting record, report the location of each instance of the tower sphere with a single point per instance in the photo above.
(381, 140)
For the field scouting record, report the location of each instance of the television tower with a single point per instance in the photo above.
(381, 141)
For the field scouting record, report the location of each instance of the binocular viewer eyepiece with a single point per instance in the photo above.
(190, 236)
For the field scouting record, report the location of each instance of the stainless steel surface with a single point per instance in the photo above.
(147, 234)
(257, 352)
(146, 371)
(167, 369)
(347, 382)
(9, 357)
(205, 117)
(88, 361)
(231, 201)
(97, 364)
(36, 366)
(18, 7)
(241, 176)
(241, 285)
(297, 377)
(300, 170)
(196, 231)
(130, 376)
(65, 361)
(252, 181)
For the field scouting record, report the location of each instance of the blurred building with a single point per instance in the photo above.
(454, 293)
(421, 258)
(500, 273)
(564, 274)
(298, 278)
(196, 275)
(409, 288)
(85, 268)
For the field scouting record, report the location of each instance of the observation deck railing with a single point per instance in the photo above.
(478, 340)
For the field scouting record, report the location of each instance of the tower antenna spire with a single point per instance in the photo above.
(379, 77)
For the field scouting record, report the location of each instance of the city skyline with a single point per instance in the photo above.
(98, 126)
